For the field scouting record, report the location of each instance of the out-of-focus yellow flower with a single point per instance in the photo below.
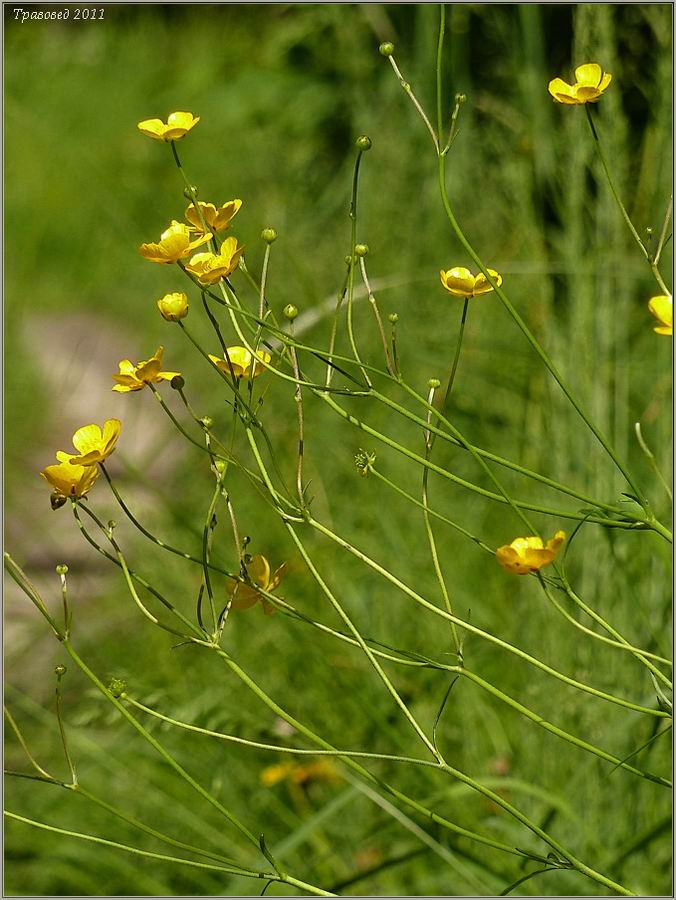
(461, 283)
(590, 82)
(136, 377)
(69, 480)
(246, 595)
(178, 124)
(662, 308)
(173, 306)
(299, 773)
(93, 444)
(528, 554)
(175, 243)
(241, 361)
(211, 267)
(217, 217)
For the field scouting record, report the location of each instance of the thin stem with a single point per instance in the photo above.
(15, 728)
(456, 358)
(376, 313)
(298, 397)
(334, 330)
(350, 274)
(663, 233)
(440, 52)
(409, 90)
(651, 459)
(59, 717)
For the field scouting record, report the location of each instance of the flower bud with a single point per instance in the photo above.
(112, 525)
(361, 249)
(206, 422)
(433, 384)
(348, 260)
(461, 98)
(57, 500)
(393, 318)
(173, 306)
(290, 312)
(190, 192)
(363, 142)
(62, 569)
(363, 461)
(220, 465)
(177, 382)
(386, 48)
(59, 671)
(269, 235)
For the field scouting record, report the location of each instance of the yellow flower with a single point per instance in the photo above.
(240, 359)
(177, 126)
(173, 306)
(299, 773)
(94, 445)
(526, 555)
(69, 480)
(136, 377)
(461, 283)
(662, 308)
(246, 595)
(591, 82)
(217, 217)
(211, 267)
(175, 243)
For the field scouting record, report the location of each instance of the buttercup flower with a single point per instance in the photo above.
(69, 480)
(240, 361)
(175, 243)
(662, 308)
(299, 773)
(461, 283)
(177, 126)
(211, 267)
(217, 217)
(136, 377)
(529, 554)
(173, 306)
(94, 445)
(591, 82)
(246, 595)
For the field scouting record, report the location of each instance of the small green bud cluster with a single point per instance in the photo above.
(117, 687)
(361, 249)
(364, 462)
(190, 192)
(269, 235)
(363, 143)
(290, 312)
(433, 384)
(386, 48)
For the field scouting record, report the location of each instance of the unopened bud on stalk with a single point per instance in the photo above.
(220, 465)
(461, 98)
(173, 306)
(57, 500)
(290, 312)
(62, 569)
(269, 235)
(363, 142)
(117, 687)
(649, 231)
(386, 48)
(60, 671)
(112, 525)
(433, 384)
(393, 318)
(206, 422)
(190, 192)
(348, 260)
(361, 249)
(177, 382)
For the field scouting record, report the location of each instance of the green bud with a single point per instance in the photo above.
(364, 461)
(649, 231)
(269, 235)
(361, 249)
(112, 524)
(387, 48)
(57, 500)
(220, 465)
(363, 142)
(206, 422)
(190, 192)
(433, 384)
(393, 318)
(59, 671)
(348, 260)
(290, 312)
(62, 569)
(117, 687)
(461, 98)
(177, 382)
(406, 86)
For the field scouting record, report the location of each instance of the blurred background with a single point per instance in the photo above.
(283, 91)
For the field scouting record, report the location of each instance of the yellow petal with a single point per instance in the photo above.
(662, 308)
(153, 128)
(87, 438)
(562, 91)
(482, 286)
(589, 75)
(259, 571)
(459, 281)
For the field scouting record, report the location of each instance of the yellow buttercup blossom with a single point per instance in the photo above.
(135, 377)
(461, 283)
(216, 217)
(93, 444)
(175, 243)
(246, 595)
(211, 267)
(239, 362)
(178, 124)
(590, 82)
(528, 554)
(69, 480)
(299, 773)
(173, 306)
(662, 308)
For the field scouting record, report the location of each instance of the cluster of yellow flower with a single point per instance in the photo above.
(298, 773)
(76, 473)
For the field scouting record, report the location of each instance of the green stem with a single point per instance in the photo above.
(350, 274)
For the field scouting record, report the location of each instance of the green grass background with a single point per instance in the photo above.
(283, 91)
